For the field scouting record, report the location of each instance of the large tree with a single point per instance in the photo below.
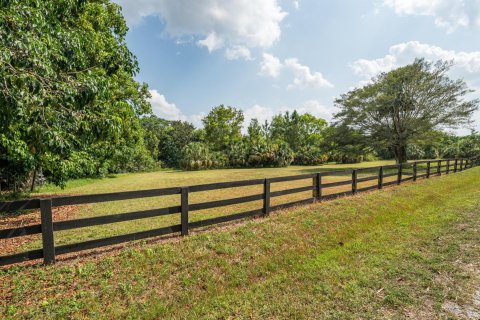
(298, 130)
(176, 136)
(223, 126)
(399, 107)
(67, 82)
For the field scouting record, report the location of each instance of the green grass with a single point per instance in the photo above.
(171, 178)
(391, 254)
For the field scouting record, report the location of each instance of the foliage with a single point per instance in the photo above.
(175, 137)
(414, 151)
(67, 83)
(198, 156)
(255, 132)
(347, 145)
(223, 127)
(238, 154)
(303, 133)
(310, 155)
(442, 145)
(154, 129)
(401, 106)
(264, 154)
(298, 130)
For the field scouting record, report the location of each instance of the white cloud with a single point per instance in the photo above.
(218, 23)
(212, 42)
(270, 66)
(316, 108)
(164, 109)
(466, 64)
(369, 68)
(169, 111)
(296, 4)
(238, 52)
(304, 77)
(448, 14)
(261, 113)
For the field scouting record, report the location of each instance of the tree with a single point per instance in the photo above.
(176, 136)
(299, 131)
(67, 83)
(254, 130)
(401, 106)
(347, 145)
(154, 129)
(223, 127)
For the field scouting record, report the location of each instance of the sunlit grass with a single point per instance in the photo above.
(397, 253)
(174, 178)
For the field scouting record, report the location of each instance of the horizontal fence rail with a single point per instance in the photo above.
(377, 175)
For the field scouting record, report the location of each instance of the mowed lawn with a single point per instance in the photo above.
(175, 178)
(405, 252)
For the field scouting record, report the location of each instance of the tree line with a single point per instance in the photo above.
(289, 138)
(70, 107)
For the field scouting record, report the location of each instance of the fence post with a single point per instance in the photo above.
(184, 211)
(399, 175)
(428, 169)
(47, 231)
(461, 164)
(448, 166)
(266, 197)
(354, 181)
(414, 171)
(455, 167)
(439, 168)
(318, 187)
(380, 178)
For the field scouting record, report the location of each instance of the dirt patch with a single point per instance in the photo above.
(470, 311)
(12, 245)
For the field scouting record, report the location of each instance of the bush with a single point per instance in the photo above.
(237, 155)
(415, 152)
(310, 155)
(16, 164)
(265, 154)
(283, 155)
(197, 156)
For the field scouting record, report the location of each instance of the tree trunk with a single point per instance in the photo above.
(34, 177)
(400, 153)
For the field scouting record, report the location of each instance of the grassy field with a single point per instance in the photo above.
(170, 178)
(404, 252)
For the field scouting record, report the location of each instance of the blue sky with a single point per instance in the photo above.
(269, 56)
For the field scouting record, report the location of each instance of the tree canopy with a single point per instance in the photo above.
(401, 106)
(67, 83)
(223, 126)
(298, 130)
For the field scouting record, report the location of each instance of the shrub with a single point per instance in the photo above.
(197, 156)
(265, 154)
(310, 155)
(415, 152)
(237, 155)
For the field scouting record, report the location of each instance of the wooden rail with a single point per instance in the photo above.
(403, 172)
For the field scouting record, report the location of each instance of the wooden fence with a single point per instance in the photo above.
(47, 227)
